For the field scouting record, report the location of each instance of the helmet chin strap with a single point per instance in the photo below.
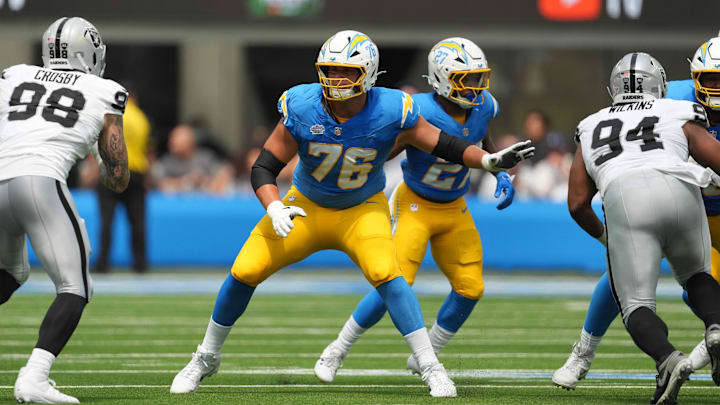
(464, 106)
(341, 93)
(715, 101)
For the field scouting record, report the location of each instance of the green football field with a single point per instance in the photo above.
(128, 348)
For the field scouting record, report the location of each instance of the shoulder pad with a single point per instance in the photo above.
(700, 116)
(121, 99)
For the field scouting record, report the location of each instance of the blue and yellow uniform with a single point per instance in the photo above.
(685, 90)
(338, 182)
(429, 204)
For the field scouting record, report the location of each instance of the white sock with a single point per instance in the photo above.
(439, 337)
(422, 349)
(349, 334)
(215, 337)
(588, 342)
(41, 360)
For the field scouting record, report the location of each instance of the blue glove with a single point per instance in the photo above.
(504, 186)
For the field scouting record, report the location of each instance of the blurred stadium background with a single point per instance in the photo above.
(220, 65)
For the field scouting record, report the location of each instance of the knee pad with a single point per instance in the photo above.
(248, 272)
(473, 293)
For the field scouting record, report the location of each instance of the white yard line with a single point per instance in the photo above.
(479, 373)
(363, 386)
(563, 355)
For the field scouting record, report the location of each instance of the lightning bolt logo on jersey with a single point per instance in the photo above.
(685, 90)
(432, 177)
(341, 164)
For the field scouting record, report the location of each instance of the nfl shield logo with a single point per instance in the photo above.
(465, 132)
(413, 207)
(338, 131)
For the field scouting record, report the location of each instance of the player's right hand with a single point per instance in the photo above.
(508, 157)
(282, 216)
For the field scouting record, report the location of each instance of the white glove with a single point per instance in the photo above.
(282, 216)
(508, 157)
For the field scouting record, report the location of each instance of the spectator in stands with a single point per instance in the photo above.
(137, 136)
(536, 127)
(188, 168)
(548, 178)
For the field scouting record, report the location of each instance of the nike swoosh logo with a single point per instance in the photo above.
(463, 210)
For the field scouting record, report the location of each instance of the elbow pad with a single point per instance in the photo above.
(265, 169)
(451, 148)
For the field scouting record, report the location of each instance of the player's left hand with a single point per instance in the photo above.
(282, 216)
(504, 186)
(508, 157)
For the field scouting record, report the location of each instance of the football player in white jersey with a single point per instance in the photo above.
(50, 117)
(635, 153)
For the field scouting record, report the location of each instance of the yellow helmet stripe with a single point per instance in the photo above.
(356, 41)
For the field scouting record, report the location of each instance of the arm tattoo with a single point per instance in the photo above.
(114, 172)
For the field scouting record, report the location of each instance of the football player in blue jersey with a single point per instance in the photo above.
(343, 130)
(702, 88)
(429, 204)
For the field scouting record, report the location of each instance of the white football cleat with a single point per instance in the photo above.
(33, 386)
(699, 356)
(329, 362)
(202, 364)
(575, 368)
(440, 384)
(412, 365)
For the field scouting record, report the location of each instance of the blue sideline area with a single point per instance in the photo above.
(202, 230)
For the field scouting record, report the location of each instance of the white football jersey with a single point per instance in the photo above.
(646, 134)
(49, 119)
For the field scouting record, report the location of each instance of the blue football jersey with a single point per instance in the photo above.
(432, 177)
(341, 165)
(685, 90)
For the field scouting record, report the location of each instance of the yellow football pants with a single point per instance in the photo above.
(714, 223)
(362, 232)
(450, 229)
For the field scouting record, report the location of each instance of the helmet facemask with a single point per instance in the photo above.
(345, 50)
(706, 61)
(475, 80)
(707, 96)
(340, 88)
(458, 71)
